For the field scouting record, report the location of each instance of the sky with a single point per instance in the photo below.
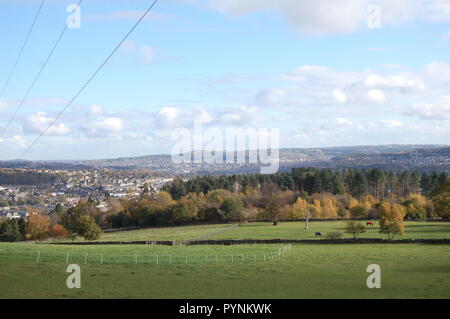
(324, 73)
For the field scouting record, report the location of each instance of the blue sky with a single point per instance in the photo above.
(313, 69)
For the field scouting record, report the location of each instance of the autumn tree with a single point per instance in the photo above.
(302, 209)
(273, 200)
(37, 227)
(416, 207)
(355, 228)
(58, 231)
(391, 219)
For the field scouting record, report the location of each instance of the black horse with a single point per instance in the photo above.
(318, 234)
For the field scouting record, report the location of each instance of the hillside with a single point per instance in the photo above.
(423, 158)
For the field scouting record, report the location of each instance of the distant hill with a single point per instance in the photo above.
(389, 157)
(42, 165)
(392, 157)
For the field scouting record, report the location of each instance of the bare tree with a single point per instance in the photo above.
(272, 200)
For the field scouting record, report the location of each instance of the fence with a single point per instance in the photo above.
(150, 259)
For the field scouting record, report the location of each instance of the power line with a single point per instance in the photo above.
(36, 78)
(21, 49)
(88, 81)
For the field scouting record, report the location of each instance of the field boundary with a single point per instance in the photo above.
(139, 242)
(265, 241)
(321, 241)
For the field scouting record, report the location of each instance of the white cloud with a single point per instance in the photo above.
(325, 16)
(19, 140)
(244, 115)
(95, 110)
(168, 118)
(16, 140)
(390, 123)
(147, 54)
(339, 96)
(38, 122)
(437, 110)
(271, 96)
(4, 103)
(438, 72)
(132, 15)
(110, 126)
(376, 96)
(144, 53)
(395, 82)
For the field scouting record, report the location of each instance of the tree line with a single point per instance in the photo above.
(356, 182)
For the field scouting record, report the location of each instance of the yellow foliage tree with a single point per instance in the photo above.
(391, 221)
(352, 203)
(316, 209)
(37, 227)
(329, 210)
(300, 208)
(164, 199)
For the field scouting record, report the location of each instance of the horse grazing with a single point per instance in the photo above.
(318, 234)
(369, 224)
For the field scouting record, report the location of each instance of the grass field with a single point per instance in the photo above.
(165, 233)
(240, 271)
(295, 230)
(285, 230)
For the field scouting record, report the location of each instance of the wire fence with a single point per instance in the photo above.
(150, 259)
(222, 230)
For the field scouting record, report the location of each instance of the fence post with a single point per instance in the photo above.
(101, 259)
(157, 259)
(135, 259)
(85, 259)
(38, 255)
(67, 258)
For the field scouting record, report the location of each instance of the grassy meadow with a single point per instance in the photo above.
(260, 230)
(239, 271)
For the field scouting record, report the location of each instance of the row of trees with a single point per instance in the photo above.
(269, 201)
(356, 182)
(41, 226)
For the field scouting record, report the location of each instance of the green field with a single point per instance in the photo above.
(285, 230)
(295, 230)
(165, 233)
(240, 271)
